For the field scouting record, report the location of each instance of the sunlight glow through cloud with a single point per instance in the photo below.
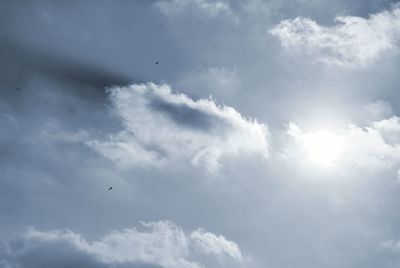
(371, 147)
(322, 147)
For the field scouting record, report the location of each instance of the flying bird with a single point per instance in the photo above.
(157, 62)
(18, 88)
(110, 188)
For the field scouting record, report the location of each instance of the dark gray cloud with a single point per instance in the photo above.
(184, 115)
(23, 62)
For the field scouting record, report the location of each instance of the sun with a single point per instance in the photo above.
(322, 147)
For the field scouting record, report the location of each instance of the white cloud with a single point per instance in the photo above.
(389, 129)
(353, 42)
(204, 8)
(373, 147)
(162, 243)
(210, 243)
(170, 126)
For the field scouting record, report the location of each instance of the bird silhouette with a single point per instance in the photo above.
(157, 62)
(110, 188)
(17, 88)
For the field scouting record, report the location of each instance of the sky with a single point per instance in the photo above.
(267, 136)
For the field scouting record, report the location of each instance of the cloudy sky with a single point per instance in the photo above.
(267, 136)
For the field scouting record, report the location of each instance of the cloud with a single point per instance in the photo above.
(163, 126)
(162, 244)
(378, 110)
(352, 42)
(390, 244)
(203, 8)
(376, 146)
(389, 129)
(210, 244)
(219, 82)
(29, 62)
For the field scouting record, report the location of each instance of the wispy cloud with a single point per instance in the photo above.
(201, 8)
(211, 244)
(161, 244)
(352, 42)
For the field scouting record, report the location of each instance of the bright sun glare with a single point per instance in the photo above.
(322, 147)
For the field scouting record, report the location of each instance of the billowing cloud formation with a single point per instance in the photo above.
(164, 244)
(210, 243)
(353, 42)
(375, 146)
(161, 125)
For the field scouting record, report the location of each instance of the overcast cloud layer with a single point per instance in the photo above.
(267, 134)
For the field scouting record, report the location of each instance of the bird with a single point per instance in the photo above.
(131, 132)
(157, 62)
(17, 88)
(110, 188)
